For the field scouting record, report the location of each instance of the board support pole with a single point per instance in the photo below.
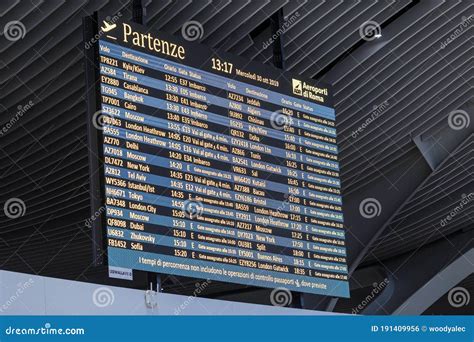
(138, 12)
(276, 21)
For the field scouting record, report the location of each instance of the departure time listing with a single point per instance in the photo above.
(214, 170)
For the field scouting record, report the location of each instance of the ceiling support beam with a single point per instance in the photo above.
(417, 280)
(437, 286)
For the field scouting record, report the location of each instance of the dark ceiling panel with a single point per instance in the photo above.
(44, 156)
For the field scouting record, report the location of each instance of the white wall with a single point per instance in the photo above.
(25, 294)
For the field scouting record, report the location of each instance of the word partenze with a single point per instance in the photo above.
(146, 40)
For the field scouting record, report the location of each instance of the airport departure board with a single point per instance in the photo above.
(216, 167)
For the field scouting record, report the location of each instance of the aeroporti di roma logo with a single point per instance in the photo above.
(297, 87)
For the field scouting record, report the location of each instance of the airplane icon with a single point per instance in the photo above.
(107, 27)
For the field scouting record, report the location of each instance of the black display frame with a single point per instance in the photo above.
(96, 156)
